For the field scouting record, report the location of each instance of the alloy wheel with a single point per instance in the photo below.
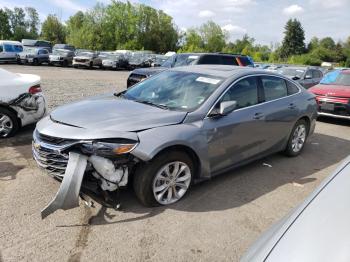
(6, 125)
(171, 182)
(299, 137)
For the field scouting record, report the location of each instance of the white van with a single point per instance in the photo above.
(9, 50)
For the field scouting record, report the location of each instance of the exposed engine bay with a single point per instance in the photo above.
(83, 172)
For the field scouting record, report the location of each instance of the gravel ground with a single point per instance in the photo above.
(216, 221)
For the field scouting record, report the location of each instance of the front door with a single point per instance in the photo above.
(236, 136)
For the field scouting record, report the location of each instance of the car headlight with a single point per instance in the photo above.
(108, 149)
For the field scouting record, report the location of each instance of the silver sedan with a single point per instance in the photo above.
(177, 128)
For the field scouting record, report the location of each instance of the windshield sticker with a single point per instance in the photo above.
(208, 80)
(193, 57)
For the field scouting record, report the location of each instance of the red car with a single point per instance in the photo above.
(333, 94)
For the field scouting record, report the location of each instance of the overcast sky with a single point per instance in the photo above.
(261, 19)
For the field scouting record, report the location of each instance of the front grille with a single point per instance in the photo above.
(53, 140)
(81, 60)
(46, 152)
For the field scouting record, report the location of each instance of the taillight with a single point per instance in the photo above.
(34, 89)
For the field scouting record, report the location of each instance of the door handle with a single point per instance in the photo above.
(258, 115)
(292, 106)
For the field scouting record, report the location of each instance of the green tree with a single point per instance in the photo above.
(5, 29)
(193, 41)
(32, 22)
(17, 23)
(294, 39)
(313, 44)
(53, 30)
(213, 37)
(327, 43)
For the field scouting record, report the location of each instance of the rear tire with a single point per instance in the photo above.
(8, 123)
(149, 176)
(297, 139)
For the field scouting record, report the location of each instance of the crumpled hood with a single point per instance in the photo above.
(331, 90)
(115, 114)
(149, 71)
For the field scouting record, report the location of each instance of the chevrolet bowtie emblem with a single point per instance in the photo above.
(36, 146)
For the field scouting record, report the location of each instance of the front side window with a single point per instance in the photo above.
(244, 92)
(175, 90)
(273, 87)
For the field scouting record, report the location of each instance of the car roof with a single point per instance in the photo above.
(10, 42)
(224, 71)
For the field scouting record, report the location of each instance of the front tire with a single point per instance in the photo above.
(8, 123)
(164, 180)
(297, 138)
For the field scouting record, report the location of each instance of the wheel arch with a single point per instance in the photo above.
(19, 121)
(187, 150)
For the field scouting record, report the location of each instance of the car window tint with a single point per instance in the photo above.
(308, 73)
(292, 88)
(244, 92)
(274, 87)
(229, 60)
(1, 49)
(8, 48)
(210, 59)
(316, 74)
(245, 61)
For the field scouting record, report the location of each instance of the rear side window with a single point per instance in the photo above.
(273, 87)
(316, 74)
(229, 60)
(245, 61)
(292, 88)
(210, 59)
(8, 48)
(244, 92)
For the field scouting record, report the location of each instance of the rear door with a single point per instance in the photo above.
(236, 136)
(279, 111)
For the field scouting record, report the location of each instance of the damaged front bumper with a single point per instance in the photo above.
(88, 176)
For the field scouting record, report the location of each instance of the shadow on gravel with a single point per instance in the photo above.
(242, 185)
(8, 171)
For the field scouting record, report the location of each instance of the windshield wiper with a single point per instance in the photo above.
(120, 94)
(152, 104)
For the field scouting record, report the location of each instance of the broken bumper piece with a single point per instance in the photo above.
(67, 196)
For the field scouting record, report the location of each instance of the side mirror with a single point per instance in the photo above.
(308, 77)
(227, 107)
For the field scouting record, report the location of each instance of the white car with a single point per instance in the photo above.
(21, 101)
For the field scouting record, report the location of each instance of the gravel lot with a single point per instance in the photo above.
(216, 221)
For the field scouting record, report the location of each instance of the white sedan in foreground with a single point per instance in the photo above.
(316, 231)
(21, 101)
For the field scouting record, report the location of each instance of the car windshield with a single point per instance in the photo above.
(336, 78)
(87, 54)
(292, 72)
(59, 52)
(32, 51)
(175, 90)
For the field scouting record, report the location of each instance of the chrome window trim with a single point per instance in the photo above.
(265, 102)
